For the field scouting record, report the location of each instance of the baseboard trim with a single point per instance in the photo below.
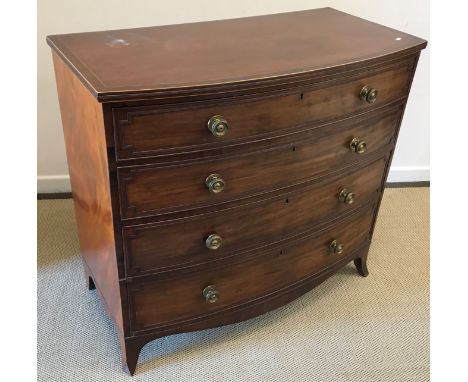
(407, 184)
(53, 184)
(54, 195)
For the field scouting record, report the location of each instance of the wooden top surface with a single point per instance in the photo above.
(122, 63)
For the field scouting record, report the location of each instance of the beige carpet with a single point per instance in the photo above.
(347, 329)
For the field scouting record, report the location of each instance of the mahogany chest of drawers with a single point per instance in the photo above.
(222, 169)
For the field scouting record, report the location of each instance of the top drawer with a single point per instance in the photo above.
(169, 129)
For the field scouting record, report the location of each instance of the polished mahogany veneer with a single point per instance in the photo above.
(146, 131)
(183, 184)
(222, 169)
(150, 247)
(243, 282)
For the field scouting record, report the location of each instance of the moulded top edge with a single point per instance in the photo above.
(189, 58)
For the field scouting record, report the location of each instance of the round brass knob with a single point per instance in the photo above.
(215, 183)
(213, 241)
(358, 146)
(211, 294)
(368, 94)
(218, 125)
(346, 196)
(336, 247)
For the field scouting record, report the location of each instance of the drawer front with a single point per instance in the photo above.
(152, 189)
(180, 297)
(166, 245)
(147, 131)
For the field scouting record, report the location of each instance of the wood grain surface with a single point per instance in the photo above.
(135, 105)
(138, 61)
(157, 130)
(244, 281)
(181, 243)
(152, 189)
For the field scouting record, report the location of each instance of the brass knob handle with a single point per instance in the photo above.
(336, 247)
(218, 125)
(215, 183)
(346, 196)
(211, 294)
(368, 94)
(358, 146)
(213, 241)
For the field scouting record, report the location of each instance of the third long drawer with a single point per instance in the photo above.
(214, 236)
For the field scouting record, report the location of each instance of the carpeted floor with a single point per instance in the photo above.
(347, 329)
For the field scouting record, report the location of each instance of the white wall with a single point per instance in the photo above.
(411, 160)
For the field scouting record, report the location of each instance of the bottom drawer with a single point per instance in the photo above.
(178, 296)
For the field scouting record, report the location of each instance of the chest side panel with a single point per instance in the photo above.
(83, 126)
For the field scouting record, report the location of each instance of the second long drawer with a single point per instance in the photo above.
(214, 236)
(159, 189)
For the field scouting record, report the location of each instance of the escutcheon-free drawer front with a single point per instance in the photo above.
(222, 169)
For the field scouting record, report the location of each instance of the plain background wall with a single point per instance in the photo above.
(411, 159)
